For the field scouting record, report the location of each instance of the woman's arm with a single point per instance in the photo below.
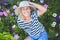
(41, 9)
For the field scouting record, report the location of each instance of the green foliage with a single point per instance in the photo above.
(6, 36)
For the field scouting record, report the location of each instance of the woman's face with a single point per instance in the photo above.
(26, 11)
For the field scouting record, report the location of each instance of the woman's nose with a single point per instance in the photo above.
(25, 10)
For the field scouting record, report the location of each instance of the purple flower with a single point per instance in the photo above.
(57, 19)
(14, 7)
(12, 14)
(41, 1)
(5, 13)
(59, 16)
(8, 11)
(1, 13)
(16, 36)
(45, 5)
(12, 30)
(7, 5)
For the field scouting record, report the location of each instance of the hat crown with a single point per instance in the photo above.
(24, 3)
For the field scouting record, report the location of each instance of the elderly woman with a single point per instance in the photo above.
(28, 13)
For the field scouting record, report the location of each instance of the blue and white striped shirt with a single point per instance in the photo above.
(34, 27)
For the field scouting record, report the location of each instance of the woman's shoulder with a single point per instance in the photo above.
(19, 20)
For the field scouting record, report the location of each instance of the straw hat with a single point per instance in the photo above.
(22, 4)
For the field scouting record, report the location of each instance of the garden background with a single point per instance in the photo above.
(9, 29)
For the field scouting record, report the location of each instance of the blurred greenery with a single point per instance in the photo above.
(6, 36)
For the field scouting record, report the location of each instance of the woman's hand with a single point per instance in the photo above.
(27, 39)
(41, 9)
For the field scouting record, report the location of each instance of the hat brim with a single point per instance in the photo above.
(17, 10)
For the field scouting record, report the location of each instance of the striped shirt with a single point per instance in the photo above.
(34, 28)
